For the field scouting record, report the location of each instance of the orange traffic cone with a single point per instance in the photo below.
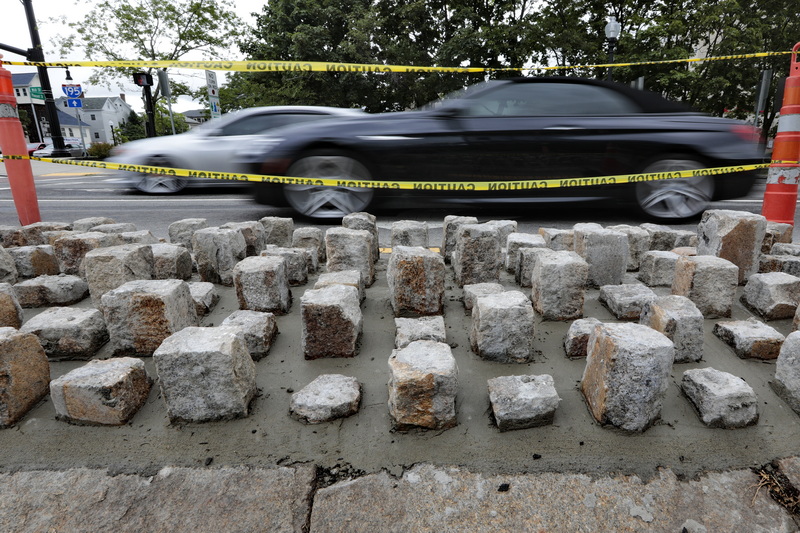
(780, 197)
(12, 142)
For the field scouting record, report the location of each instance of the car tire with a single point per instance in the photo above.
(674, 199)
(159, 183)
(316, 201)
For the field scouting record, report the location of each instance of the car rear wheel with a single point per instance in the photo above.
(674, 199)
(328, 202)
(159, 183)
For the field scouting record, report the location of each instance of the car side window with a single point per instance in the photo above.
(549, 99)
(255, 124)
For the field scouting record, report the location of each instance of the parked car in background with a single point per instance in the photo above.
(73, 149)
(554, 130)
(32, 147)
(211, 146)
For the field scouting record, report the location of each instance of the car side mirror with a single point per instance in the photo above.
(451, 110)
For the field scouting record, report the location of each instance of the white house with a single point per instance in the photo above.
(72, 130)
(29, 96)
(92, 121)
(101, 114)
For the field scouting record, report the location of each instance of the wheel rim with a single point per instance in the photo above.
(328, 202)
(158, 183)
(676, 198)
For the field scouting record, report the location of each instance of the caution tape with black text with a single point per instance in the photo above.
(541, 183)
(319, 66)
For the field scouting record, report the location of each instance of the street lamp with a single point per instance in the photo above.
(113, 137)
(613, 29)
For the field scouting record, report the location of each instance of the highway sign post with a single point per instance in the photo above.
(213, 93)
(74, 92)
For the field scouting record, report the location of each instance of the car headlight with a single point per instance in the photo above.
(256, 149)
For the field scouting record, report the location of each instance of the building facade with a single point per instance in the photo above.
(101, 114)
(92, 122)
(29, 96)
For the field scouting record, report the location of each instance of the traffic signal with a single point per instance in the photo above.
(143, 79)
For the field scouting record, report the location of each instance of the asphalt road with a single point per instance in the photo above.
(67, 193)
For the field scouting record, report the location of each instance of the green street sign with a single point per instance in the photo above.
(36, 92)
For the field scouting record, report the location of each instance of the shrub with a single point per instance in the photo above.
(100, 150)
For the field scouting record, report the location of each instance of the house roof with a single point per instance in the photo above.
(195, 113)
(66, 119)
(22, 78)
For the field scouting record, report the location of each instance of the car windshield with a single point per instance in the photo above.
(457, 95)
(215, 123)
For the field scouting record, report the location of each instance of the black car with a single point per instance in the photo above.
(550, 128)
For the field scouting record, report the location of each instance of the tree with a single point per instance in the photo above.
(27, 123)
(131, 129)
(571, 33)
(152, 30)
(307, 30)
(436, 33)
(163, 124)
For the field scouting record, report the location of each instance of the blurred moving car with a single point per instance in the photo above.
(210, 146)
(47, 151)
(551, 129)
(32, 147)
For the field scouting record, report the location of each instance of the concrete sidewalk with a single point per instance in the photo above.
(424, 498)
(269, 472)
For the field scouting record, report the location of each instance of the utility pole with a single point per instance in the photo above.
(36, 54)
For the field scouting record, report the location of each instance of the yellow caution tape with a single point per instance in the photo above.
(666, 61)
(516, 185)
(253, 66)
(319, 66)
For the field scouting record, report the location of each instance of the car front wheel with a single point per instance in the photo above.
(674, 199)
(324, 201)
(157, 183)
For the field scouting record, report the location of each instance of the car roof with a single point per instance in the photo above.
(648, 101)
(278, 109)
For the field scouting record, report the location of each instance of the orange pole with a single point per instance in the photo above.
(780, 197)
(12, 142)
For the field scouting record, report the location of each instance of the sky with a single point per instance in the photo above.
(15, 33)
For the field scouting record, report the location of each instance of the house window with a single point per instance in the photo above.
(17, 92)
(91, 116)
(24, 91)
(70, 132)
(96, 135)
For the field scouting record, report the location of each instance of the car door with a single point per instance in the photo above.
(543, 130)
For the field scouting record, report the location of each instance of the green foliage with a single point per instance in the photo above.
(163, 124)
(131, 129)
(505, 34)
(99, 150)
(27, 123)
(474, 33)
